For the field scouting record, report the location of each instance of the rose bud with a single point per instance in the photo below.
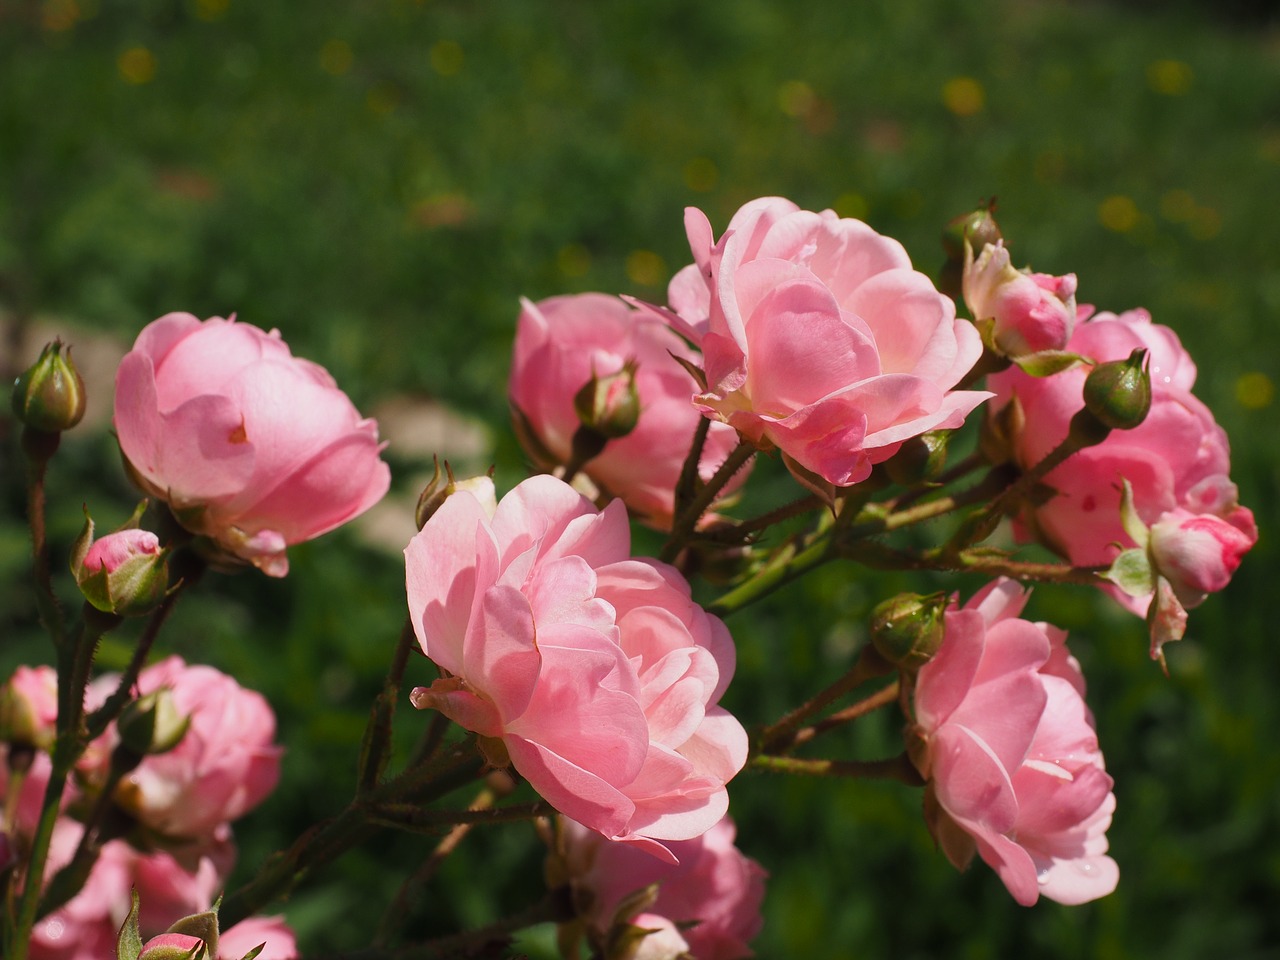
(1028, 312)
(50, 395)
(125, 573)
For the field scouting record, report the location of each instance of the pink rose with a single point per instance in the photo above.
(560, 344)
(1029, 312)
(1177, 459)
(598, 673)
(1007, 745)
(124, 572)
(249, 445)
(225, 764)
(247, 934)
(819, 338)
(712, 896)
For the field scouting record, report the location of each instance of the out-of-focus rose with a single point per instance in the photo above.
(1029, 312)
(29, 707)
(278, 938)
(712, 896)
(1007, 745)
(598, 673)
(1176, 461)
(819, 338)
(225, 764)
(85, 927)
(561, 343)
(249, 445)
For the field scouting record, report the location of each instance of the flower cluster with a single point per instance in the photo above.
(168, 835)
(595, 676)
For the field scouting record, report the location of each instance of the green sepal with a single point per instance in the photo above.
(203, 925)
(129, 940)
(1045, 363)
(1131, 572)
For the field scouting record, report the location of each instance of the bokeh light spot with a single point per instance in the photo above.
(852, 205)
(446, 58)
(795, 97)
(137, 65)
(59, 15)
(1118, 213)
(336, 57)
(646, 268)
(573, 260)
(211, 10)
(1169, 77)
(963, 96)
(701, 174)
(1255, 391)
(1177, 206)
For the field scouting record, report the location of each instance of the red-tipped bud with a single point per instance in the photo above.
(124, 573)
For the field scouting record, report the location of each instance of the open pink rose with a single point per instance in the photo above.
(712, 896)
(1029, 312)
(598, 673)
(560, 344)
(1176, 461)
(819, 338)
(1007, 745)
(225, 764)
(249, 445)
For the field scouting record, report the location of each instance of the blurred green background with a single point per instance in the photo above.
(382, 180)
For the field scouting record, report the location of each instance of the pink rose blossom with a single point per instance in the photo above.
(249, 445)
(598, 673)
(247, 934)
(225, 764)
(1177, 459)
(712, 896)
(560, 344)
(1030, 312)
(819, 338)
(1007, 745)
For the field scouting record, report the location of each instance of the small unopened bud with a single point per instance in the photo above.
(125, 573)
(152, 724)
(440, 488)
(979, 227)
(907, 629)
(919, 460)
(174, 946)
(1118, 392)
(609, 405)
(29, 709)
(50, 396)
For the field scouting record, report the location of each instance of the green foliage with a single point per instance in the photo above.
(383, 180)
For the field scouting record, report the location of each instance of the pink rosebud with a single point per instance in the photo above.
(29, 707)
(279, 940)
(1029, 312)
(819, 338)
(124, 572)
(225, 764)
(249, 445)
(565, 343)
(712, 896)
(598, 673)
(1004, 738)
(170, 946)
(1176, 459)
(1199, 553)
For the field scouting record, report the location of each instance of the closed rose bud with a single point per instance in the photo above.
(125, 573)
(152, 724)
(174, 946)
(1197, 553)
(609, 405)
(977, 228)
(920, 460)
(441, 488)
(29, 707)
(1118, 392)
(50, 395)
(907, 629)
